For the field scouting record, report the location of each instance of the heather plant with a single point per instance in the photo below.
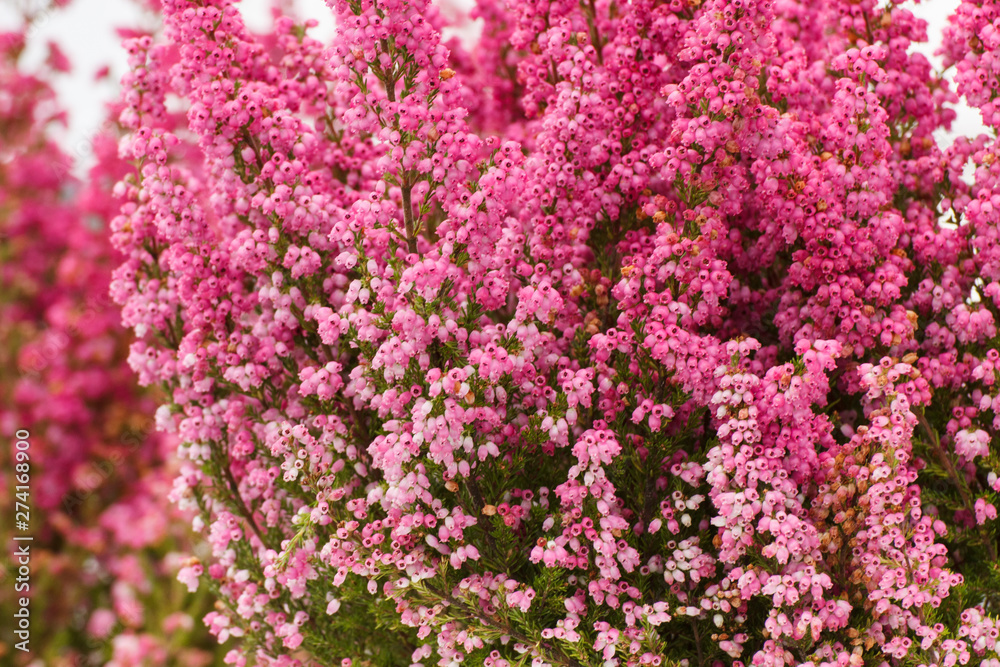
(102, 583)
(659, 332)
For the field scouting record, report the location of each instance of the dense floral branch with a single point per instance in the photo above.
(648, 325)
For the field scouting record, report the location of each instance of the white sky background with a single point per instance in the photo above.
(85, 30)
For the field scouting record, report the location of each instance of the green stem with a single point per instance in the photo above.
(411, 239)
(555, 654)
(959, 483)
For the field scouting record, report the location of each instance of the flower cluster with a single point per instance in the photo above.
(635, 333)
(102, 543)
